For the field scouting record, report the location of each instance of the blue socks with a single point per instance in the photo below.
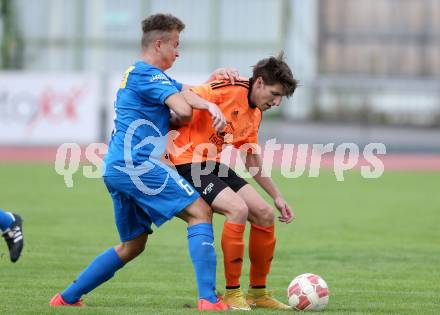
(6, 220)
(100, 270)
(202, 252)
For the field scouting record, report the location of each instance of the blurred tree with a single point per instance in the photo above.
(11, 42)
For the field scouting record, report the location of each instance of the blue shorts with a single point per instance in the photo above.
(153, 197)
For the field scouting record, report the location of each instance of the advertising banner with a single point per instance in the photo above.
(49, 109)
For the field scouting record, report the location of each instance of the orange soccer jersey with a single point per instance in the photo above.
(242, 126)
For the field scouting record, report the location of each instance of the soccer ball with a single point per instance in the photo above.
(308, 292)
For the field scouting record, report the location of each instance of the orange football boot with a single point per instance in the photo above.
(58, 300)
(205, 305)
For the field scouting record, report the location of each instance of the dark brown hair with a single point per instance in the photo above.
(274, 70)
(157, 25)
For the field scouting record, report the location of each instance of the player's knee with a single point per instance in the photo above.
(204, 214)
(264, 216)
(198, 212)
(268, 216)
(129, 251)
(134, 251)
(238, 212)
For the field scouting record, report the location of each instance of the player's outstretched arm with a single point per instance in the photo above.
(195, 101)
(181, 110)
(286, 213)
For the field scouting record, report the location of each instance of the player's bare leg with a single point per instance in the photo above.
(231, 205)
(197, 212)
(129, 250)
(261, 248)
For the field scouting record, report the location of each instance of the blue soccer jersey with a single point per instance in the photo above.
(140, 111)
(143, 189)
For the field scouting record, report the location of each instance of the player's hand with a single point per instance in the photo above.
(218, 119)
(286, 212)
(230, 74)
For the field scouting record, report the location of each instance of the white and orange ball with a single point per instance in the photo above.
(308, 292)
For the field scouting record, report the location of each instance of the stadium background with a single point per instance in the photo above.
(369, 72)
(360, 63)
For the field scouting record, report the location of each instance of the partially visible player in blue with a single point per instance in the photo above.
(11, 228)
(143, 189)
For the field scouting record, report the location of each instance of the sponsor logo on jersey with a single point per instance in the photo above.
(159, 77)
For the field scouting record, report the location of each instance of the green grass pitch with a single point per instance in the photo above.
(376, 242)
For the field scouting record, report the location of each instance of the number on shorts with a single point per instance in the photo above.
(189, 190)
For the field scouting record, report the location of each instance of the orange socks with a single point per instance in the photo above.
(233, 248)
(261, 250)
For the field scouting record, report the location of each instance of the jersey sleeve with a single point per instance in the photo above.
(177, 84)
(155, 86)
